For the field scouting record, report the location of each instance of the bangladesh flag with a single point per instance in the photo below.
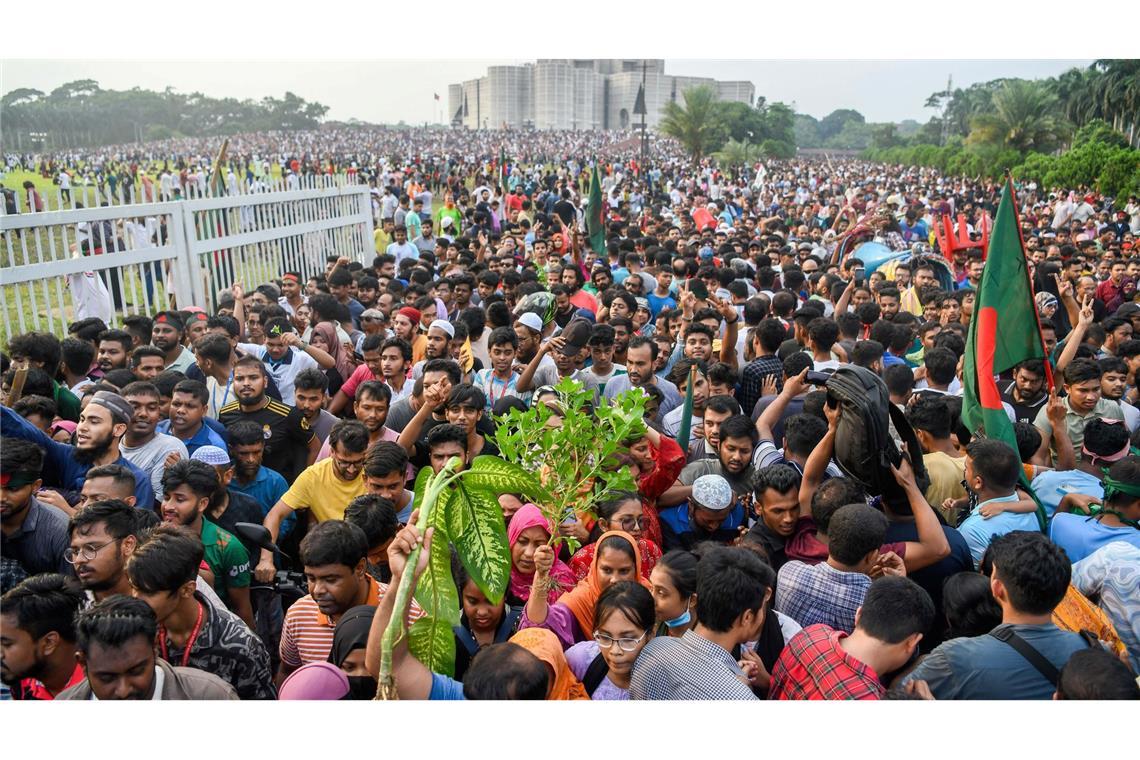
(595, 215)
(1003, 332)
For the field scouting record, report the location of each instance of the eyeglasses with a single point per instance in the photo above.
(632, 522)
(86, 552)
(626, 645)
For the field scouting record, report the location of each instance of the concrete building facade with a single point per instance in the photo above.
(576, 94)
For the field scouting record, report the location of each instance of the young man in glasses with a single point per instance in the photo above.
(325, 488)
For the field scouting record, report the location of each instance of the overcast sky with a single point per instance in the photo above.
(390, 91)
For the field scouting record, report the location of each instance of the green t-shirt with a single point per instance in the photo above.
(227, 558)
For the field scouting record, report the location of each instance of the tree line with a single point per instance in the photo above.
(82, 114)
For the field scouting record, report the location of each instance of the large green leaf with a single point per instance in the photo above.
(475, 523)
(425, 474)
(498, 476)
(431, 640)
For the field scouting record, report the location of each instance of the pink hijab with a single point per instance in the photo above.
(344, 365)
(529, 516)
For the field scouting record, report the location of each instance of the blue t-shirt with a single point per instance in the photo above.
(979, 531)
(1080, 536)
(1053, 485)
(206, 436)
(444, 688)
(657, 303)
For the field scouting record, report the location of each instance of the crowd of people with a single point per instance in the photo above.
(180, 168)
(214, 502)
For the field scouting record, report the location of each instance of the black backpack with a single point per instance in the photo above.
(865, 448)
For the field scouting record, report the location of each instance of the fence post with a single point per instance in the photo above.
(185, 236)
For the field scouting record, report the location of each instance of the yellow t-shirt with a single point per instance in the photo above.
(946, 474)
(319, 489)
(381, 240)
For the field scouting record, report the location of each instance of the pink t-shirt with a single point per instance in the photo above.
(360, 375)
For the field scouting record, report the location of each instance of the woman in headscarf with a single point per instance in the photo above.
(622, 512)
(545, 646)
(316, 681)
(527, 532)
(350, 639)
(324, 337)
(571, 618)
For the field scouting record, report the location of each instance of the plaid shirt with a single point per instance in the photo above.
(753, 376)
(814, 666)
(811, 594)
(691, 667)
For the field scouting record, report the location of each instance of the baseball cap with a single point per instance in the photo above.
(577, 335)
(712, 492)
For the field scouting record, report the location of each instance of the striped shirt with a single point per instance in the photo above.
(307, 634)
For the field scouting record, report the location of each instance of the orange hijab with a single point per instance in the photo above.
(545, 646)
(583, 598)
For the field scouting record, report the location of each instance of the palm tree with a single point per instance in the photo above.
(1022, 117)
(696, 125)
(735, 154)
(1117, 92)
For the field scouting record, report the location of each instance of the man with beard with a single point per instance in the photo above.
(439, 336)
(288, 438)
(734, 457)
(251, 477)
(143, 446)
(711, 513)
(102, 425)
(166, 334)
(37, 637)
(228, 508)
(564, 309)
(34, 533)
(114, 350)
(163, 571)
(334, 555)
(325, 489)
(310, 393)
(378, 352)
(640, 355)
(1026, 393)
(528, 328)
(102, 536)
(1113, 384)
(623, 331)
(406, 326)
(115, 647)
(188, 486)
(462, 288)
(573, 280)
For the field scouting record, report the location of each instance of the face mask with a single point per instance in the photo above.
(361, 688)
(680, 620)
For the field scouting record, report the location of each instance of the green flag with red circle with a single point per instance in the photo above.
(1004, 330)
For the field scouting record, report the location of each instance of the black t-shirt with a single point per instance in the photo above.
(566, 211)
(241, 508)
(932, 577)
(1022, 411)
(287, 435)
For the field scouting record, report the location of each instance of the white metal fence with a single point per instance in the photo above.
(167, 254)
